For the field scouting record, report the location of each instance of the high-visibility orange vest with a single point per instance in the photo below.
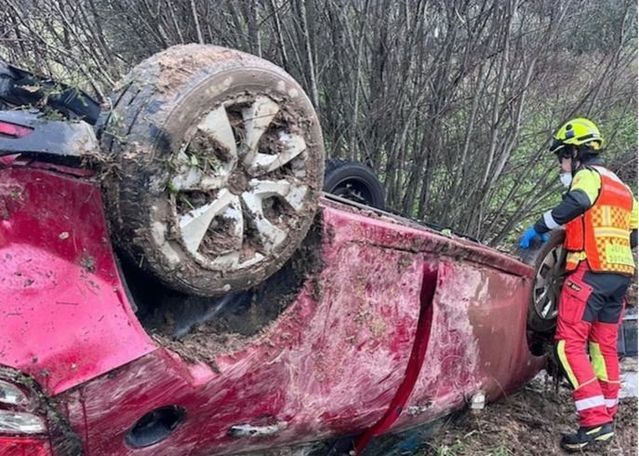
(601, 235)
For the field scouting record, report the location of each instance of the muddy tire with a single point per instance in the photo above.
(354, 181)
(219, 164)
(549, 261)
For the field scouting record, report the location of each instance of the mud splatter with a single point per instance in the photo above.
(198, 328)
(87, 262)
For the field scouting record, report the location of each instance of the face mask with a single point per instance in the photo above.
(566, 179)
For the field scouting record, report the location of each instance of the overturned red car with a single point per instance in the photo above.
(174, 282)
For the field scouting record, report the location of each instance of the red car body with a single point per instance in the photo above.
(400, 326)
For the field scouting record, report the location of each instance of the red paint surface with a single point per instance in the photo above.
(326, 367)
(63, 318)
(478, 341)
(17, 131)
(420, 344)
(24, 446)
(336, 362)
(11, 129)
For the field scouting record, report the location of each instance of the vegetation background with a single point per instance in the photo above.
(451, 102)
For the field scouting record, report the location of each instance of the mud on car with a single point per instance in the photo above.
(173, 280)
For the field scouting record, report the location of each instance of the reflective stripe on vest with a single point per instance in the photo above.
(602, 234)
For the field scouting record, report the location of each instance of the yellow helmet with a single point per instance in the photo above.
(577, 132)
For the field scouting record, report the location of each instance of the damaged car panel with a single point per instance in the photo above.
(64, 314)
(329, 365)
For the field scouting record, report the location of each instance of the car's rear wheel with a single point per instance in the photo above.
(219, 158)
(354, 181)
(549, 261)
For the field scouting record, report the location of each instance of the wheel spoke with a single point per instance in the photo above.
(189, 175)
(270, 236)
(292, 145)
(291, 190)
(268, 188)
(216, 125)
(541, 297)
(545, 311)
(549, 262)
(256, 119)
(234, 215)
(233, 261)
(542, 279)
(561, 260)
(194, 224)
(296, 196)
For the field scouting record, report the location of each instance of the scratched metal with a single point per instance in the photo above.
(329, 365)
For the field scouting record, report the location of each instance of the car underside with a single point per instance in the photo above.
(200, 296)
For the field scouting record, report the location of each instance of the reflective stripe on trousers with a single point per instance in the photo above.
(590, 402)
(589, 318)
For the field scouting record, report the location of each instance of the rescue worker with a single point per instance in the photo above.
(599, 215)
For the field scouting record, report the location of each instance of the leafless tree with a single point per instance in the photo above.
(452, 103)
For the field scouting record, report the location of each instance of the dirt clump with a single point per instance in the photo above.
(87, 262)
(199, 328)
(529, 422)
(178, 63)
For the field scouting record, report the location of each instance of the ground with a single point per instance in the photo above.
(528, 422)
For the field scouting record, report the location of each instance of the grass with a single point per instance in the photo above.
(461, 449)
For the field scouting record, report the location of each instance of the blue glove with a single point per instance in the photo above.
(530, 235)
